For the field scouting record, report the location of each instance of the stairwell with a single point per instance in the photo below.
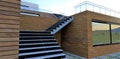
(42, 44)
(60, 24)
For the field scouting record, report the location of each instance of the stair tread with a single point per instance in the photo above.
(48, 56)
(38, 40)
(39, 47)
(30, 53)
(38, 43)
(37, 33)
(35, 36)
(34, 31)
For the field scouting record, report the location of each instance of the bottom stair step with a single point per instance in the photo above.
(53, 56)
(42, 53)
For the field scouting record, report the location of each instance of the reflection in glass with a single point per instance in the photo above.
(115, 33)
(100, 33)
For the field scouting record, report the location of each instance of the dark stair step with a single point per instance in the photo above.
(57, 57)
(39, 40)
(38, 49)
(23, 42)
(36, 54)
(53, 56)
(35, 34)
(34, 31)
(36, 37)
(37, 45)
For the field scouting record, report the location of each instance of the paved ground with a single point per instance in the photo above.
(109, 56)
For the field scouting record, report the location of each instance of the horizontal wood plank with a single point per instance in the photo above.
(9, 17)
(8, 43)
(8, 52)
(3, 12)
(9, 26)
(3, 21)
(12, 1)
(7, 35)
(9, 48)
(9, 9)
(2, 3)
(9, 30)
(9, 57)
(9, 39)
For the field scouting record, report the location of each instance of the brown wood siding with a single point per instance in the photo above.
(77, 36)
(12, 1)
(9, 28)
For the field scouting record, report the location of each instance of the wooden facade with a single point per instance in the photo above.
(77, 38)
(9, 28)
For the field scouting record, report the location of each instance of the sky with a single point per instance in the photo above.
(67, 6)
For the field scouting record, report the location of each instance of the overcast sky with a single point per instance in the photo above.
(67, 6)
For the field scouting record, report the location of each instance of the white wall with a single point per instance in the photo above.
(29, 6)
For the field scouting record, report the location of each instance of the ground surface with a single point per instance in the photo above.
(109, 56)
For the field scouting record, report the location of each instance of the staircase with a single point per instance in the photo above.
(58, 16)
(42, 44)
(59, 25)
(39, 45)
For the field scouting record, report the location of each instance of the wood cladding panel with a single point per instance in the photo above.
(9, 57)
(9, 9)
(9, 39)
(6, 35)
(2, 3)
(2, 44)
(3, 12)
(8, 17)
(9, 28)
(3, 21)
(9, 48)
(12, 1)
(8, 52)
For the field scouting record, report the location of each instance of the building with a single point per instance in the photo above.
(29, 6)
(88, 33)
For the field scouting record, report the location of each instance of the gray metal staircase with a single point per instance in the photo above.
(39, 45)
(59, 25)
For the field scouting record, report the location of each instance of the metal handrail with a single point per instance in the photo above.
(96, 8)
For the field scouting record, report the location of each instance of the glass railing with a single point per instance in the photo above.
(33, 9)
(96, 8)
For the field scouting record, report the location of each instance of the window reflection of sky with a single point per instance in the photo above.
(102, 26)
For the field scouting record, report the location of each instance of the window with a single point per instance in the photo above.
(105, 33)
(115, 29)
(101, 33)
